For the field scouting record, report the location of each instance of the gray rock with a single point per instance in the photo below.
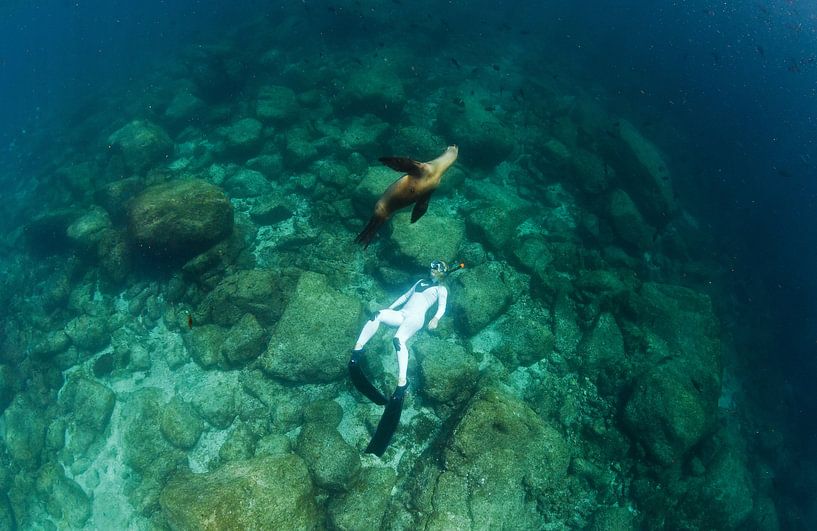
(377, 88)
(614, 519)
(240, 445)
(674, 401)
(333, 463)
(214, 399)
(7, 519)
(724, 497)
(628, 222)
(87, 406)
(272, 492)
(87, 230)
(114, 196)
(483, 138)
(243, 135)
(310, 343)
(273, 444)
(6, 386)
(244, 341)
(448, 372)
(648, 180)
(183, 107)
(413, 242)
(271, 210)
(51, 345)
(25, 429)
(67, 502)
(499, 445)
(180, 218)
(204, 344)
(601, 353)
(416, 142)
(144, 448)
(180, 424)
(527, 333)
(142, 145)
(364, 505)
(276, 103)
(88, 332)
(260, 292)
(247, 183)
(592, 173)
(480, 296)
(362, 133)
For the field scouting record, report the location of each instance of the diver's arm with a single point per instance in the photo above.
(442, 297)
(404, 297)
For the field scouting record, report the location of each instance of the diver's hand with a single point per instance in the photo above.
(432, 324)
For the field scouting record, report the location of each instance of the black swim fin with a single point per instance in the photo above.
(388, 423)
(361, 382)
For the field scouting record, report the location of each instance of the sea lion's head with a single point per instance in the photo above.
(444, 161)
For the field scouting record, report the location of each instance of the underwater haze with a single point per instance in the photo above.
(631, 342)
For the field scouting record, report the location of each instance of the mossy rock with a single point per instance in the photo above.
(501, 456)
(448, 372)
(333, 463)
(180, 424)
(270, 492)
(480, 294)
(141, 144)
(180, 218)
(310, 343)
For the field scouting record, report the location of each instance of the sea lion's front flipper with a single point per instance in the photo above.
(406, 165)
(367, 234)
(420, 207)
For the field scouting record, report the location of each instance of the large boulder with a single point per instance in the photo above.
(180, 218)
(414, 244)
(269, 492)
(674, 401)
(141, 144)
(500, 459)
(260, 292)
(448, 372)
(643, 172)
(628, 222)
(480, 295)
(311, 341)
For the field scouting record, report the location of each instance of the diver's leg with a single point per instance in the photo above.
(404, 333)
(390, 317)
(356, 374)
(391, 416)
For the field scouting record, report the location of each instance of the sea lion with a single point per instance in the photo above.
(416, 186)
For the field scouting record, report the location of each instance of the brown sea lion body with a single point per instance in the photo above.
(415, 187)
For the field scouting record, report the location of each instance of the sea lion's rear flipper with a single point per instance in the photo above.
(367, 234)
(388, 423)
(406, 165)
(420, 207)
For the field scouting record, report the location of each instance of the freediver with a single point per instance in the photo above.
(409, 319)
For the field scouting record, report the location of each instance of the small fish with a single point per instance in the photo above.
(455, 63)
(190, 321)
(495, 67)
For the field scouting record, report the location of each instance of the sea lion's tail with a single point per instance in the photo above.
(367, 234)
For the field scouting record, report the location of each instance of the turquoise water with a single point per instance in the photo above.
(629, 344)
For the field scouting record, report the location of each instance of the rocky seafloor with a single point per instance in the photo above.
(181, 291)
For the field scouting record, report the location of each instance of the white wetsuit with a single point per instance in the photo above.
(408, 320)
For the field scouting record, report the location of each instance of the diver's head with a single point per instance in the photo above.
(438, 270)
